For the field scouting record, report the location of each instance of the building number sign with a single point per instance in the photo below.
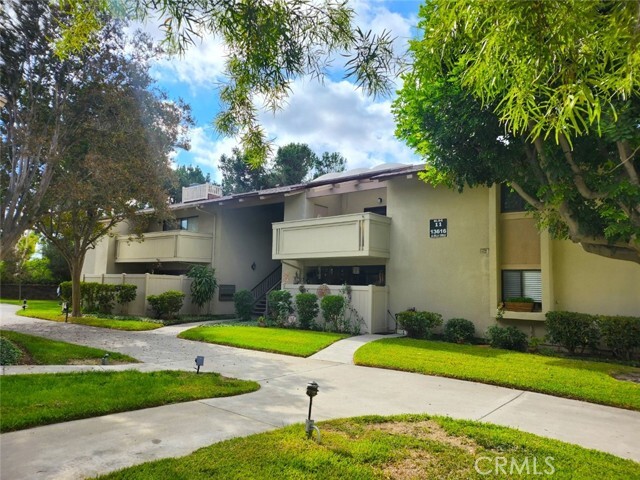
(438, 227)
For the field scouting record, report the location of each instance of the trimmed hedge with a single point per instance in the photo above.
(621, 335)
(100, 297)
(280, 307)
(418, 324)
(573, 330)
(243, 302)
(332, 307)
(509, 338)
(459, 330)
(307, 308)
(166, 304)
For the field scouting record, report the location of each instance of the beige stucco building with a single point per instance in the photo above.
(399, 242)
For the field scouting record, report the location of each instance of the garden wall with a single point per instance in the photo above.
(369, 301)
(148, 284)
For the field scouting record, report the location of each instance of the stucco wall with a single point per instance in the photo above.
(445, 275)
(584, 282)
(243, 237)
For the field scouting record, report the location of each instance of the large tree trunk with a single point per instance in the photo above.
(76, 269)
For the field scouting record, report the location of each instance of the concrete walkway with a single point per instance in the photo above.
(90, 447)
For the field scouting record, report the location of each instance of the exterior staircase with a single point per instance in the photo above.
(260, 291)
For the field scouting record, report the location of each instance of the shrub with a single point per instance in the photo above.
(280, 308)
(243, 301)
(126, 293)
(573, 330)
(418, 324)
(520, 300)
(166, 304)
(621, 334)
(65, 291)
(459, 330)
(509, 338)
(9, 353)
(307, 307)
(332, 308)
(203, 284)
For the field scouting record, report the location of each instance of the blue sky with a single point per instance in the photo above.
(332, 116)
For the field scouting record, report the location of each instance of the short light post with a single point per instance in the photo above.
(312, 391)
(24, 304)
(199, 363)
(65, 310)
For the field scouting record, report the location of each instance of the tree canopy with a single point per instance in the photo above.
(115, 159)
(184, 176)
(269, 43)
(293, 163)
(541, 95)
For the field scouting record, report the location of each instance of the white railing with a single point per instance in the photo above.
(200, 192)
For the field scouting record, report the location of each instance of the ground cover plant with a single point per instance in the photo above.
(30, 400)
(299, 343)
(407, 446)
(42, 351)
(51, 310)
(571, 378)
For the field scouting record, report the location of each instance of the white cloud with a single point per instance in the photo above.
(338, 117)
(206, 150)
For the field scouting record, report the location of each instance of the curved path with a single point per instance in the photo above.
(89, 447)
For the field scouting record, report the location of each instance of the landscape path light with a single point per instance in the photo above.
(312, 391)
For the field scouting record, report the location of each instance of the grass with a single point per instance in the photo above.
(299, 343)
(50, 310)
(578, 379)
(42, 351)
(31, 400)
(417, 446)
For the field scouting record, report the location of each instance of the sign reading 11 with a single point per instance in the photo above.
(437, 227)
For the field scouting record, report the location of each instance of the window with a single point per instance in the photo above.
(382, 210)
(188, 223)
(510, 201)
(522, 283)
(352, 275)
(226, 292)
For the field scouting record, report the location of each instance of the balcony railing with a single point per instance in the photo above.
(353, 235)
(172, 246)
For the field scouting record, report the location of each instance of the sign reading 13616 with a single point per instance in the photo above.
(437, 227)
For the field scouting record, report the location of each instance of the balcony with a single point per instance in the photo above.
(173, 246)
(353, 235)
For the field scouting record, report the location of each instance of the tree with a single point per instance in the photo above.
(328, 163)
(541, 95)
(269, 44)
(116, 160)
(58, 266)
(238, 176)
(185, 176)
(292, 164)
(36, 88)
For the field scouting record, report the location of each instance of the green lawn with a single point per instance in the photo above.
(42, 351)
(402, 447)
(31, 400)
(50, 310)
(579, 379)
(300, 343)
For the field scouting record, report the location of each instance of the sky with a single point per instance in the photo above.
(331, 116)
